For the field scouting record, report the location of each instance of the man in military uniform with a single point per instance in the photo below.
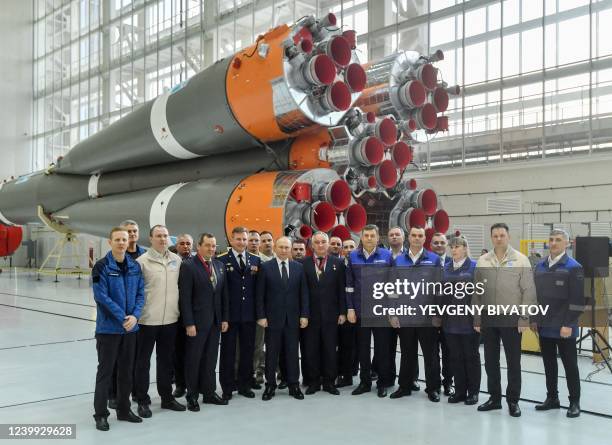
(241, 269)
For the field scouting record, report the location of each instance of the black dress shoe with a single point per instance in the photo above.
(296, 392)
(573, 410)
(381, 392)
(331, 389)
(434, 396)
(214, 399)
(101, 423)
(471, 400)
(173, 405)
(144, 411)
(192, 405)
(344, 381)
(246, 392)
(312, 389)
(514, 409)
(282, 384)
(456, 398)
(259, 379)
(490, 405)
(373, 375)
(129, 416)
(226, 395)
(449, 390)
(400, 392)
(361, 389)
(268, 393)
(549, 403)
(255, 385)
(179, 392)
(415, 386)
(112, 403)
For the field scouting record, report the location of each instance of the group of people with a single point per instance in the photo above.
(277, 312)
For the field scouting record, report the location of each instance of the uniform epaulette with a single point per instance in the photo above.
(222, 254)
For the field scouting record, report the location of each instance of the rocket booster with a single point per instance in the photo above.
(285, 203)
(290, 135)
(291, 79)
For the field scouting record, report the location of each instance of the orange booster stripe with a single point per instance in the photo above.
(249, 85)
(305, 150)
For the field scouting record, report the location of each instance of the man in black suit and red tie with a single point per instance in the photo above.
(282, 309)
(204, 304)
(325, 276)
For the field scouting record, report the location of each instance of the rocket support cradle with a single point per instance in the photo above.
(270, 138)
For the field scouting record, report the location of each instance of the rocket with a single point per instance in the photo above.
(292, 134)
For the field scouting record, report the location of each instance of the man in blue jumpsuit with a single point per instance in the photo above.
(559, 283)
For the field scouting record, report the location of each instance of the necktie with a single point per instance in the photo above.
(284, 274)
(319, 266)
(240, 261)
(211, 272)
(320, 263)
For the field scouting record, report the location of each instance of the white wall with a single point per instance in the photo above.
(16, 96)
(586, 201)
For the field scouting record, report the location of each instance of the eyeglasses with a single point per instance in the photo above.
(438, 243)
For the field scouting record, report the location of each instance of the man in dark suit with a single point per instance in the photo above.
(326, 290)
(241, 271)
(184, 244)
(203, 298)
(282, 308)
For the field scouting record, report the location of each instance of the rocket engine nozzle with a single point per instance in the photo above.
(338, 49)
(412, 94)
(441, 221)
(356, 218)
(337, 97)
(337, 192)
(427, 200)
(328, 20)
(386, 174)
(341, 232)
(425, 117)
(306, 46)
(356, 77)
(440, 99)
(412, 217)
(401, 154)
(369, 151)
(321, 216)
(386, 130)
(305, 232)
(427, 74)
(319, 70)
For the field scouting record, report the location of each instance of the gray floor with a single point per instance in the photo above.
(48, 363)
